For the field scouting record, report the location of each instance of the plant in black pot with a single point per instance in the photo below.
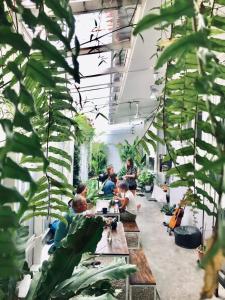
(168, 211)
(146, 180)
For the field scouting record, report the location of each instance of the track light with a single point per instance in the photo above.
(137, 111)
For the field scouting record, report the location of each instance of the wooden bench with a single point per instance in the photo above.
(132, 227)
(221, 281)
(143, 278)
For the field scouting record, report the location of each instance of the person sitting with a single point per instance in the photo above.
(109, 186)
(128, 208)
(78, 206)
(82, 191)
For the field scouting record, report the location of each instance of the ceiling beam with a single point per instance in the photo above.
(88, 6)
(114, 84)
(114, 70)
(105, 48)
(107, 71)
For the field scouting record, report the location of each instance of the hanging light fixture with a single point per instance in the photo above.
(137, 111)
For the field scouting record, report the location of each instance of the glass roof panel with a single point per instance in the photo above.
(93, 25)
(95, 80)
(94, 63)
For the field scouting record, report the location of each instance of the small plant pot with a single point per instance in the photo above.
(167, 218)
(148, 188)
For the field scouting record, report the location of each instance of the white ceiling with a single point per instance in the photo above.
(138, 76)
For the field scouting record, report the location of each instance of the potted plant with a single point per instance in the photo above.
(146, 180)
(168, 211)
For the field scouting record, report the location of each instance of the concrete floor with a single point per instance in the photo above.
(175, 269)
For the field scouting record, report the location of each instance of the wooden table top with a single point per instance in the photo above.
(118, 244)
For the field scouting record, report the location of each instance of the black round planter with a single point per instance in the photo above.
(187, 237)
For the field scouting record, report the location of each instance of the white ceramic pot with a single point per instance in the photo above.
(167, 219)
(148, 188)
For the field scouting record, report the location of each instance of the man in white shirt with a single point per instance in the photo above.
(128, 209)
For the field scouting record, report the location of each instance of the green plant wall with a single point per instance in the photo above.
(134, 151)
(98, 158)
(34, 84)
(191, 109)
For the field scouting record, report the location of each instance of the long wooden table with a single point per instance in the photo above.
(117, 246)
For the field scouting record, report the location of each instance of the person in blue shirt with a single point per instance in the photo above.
(109, 186)
(78, 205)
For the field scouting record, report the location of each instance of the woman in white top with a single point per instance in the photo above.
(128, 209)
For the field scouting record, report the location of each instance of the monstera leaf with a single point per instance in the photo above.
(83, 236)
(84, 279)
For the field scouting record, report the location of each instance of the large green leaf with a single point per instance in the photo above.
(167, 15)
(8, 218)
(10, 195)
(181, 46)
(83, 236)
(51, 53)
(84, 278)
(13, 39)
(13, 170)
(52, 27)
(23, 121)
(37, 71)
(28, 145)
(60, 152)
(59, 162)
(12, 251)
(64, 13)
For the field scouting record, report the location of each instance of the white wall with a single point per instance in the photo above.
(118, 134)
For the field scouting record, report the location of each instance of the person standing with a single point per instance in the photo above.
(131, 176)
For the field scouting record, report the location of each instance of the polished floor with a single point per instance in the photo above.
(175, 268)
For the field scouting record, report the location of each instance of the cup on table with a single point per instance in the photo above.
(104, 210)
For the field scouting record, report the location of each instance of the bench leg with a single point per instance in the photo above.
(130, 234)
(138, 241)
(155, 293)
(130, 293)
(127, 288)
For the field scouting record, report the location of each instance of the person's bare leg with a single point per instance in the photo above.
(134, 192)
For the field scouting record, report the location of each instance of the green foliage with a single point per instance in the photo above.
(83, 236)
(191, 108)
(98, 158)
(59, 279)
(92, 190)
(35, 78)
(146, 178)
(84, 129)
(122, 172)
(168, 209)
(133, 151)
(91, 281)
